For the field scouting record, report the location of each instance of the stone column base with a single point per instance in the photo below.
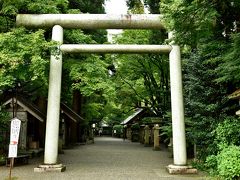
(175, 169)
(50, 168)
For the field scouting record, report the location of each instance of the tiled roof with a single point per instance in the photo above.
(70, 113)
(28, 106)
(37, 113)
(138, 112)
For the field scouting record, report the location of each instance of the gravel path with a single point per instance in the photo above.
(107, 159)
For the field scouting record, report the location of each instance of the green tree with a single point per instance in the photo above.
(153, 6)
(147, 76)
(86, 73)
(24, 54)
(22, 59)
(205, 99)
(29, 51)
(204, 29)
(92, 7)
(229, 65)
(144, 77)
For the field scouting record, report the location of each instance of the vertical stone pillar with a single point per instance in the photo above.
(54, 95)
(141, 136)
(156, 145)
(146, 135)
(91, 135)
(53, 109)
(178, 125)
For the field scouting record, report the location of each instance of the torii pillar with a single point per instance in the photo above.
(53, 108)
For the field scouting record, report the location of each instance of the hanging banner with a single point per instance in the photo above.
(15, 130)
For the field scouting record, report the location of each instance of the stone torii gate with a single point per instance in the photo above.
(105, 21)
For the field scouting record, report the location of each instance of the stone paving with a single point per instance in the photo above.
(107, 159)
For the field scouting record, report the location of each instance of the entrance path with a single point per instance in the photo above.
(107, 159)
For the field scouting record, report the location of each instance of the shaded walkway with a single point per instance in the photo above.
(107, 159)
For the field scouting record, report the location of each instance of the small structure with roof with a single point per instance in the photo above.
(131, 121)
(33, 119)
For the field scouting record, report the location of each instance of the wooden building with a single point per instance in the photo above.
(33, 117)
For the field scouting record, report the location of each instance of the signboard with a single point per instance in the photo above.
(14, 135)
(12, 152)
(15, 130)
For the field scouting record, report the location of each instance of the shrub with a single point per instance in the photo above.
(227, 132)
(211, 164)
(166, 132)
(228, 163)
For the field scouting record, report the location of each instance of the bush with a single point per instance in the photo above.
(227, 132)
(166, 132)
(211, 164)
(228, 163)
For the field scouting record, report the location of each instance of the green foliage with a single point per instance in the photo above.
(118, 128)
(154, 6)
(211, 164)
(89, 6)
(134, 37)
(132, 3)
(191, 20)
(194, 21)
(4, 117)
(93, 110)
(35, 7)
(144, 77)
(23, 57)
(113, 111)
(75, 36)
(229, 163)
(147, 120)
(227, 132)
(135, 6)
(135, 126)
(225, 162)
(166, 131)
(205, 98)
(2, 159)
(92, 7)
(229, 66)
(4, 125)
(208, 31)
(90, 75)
